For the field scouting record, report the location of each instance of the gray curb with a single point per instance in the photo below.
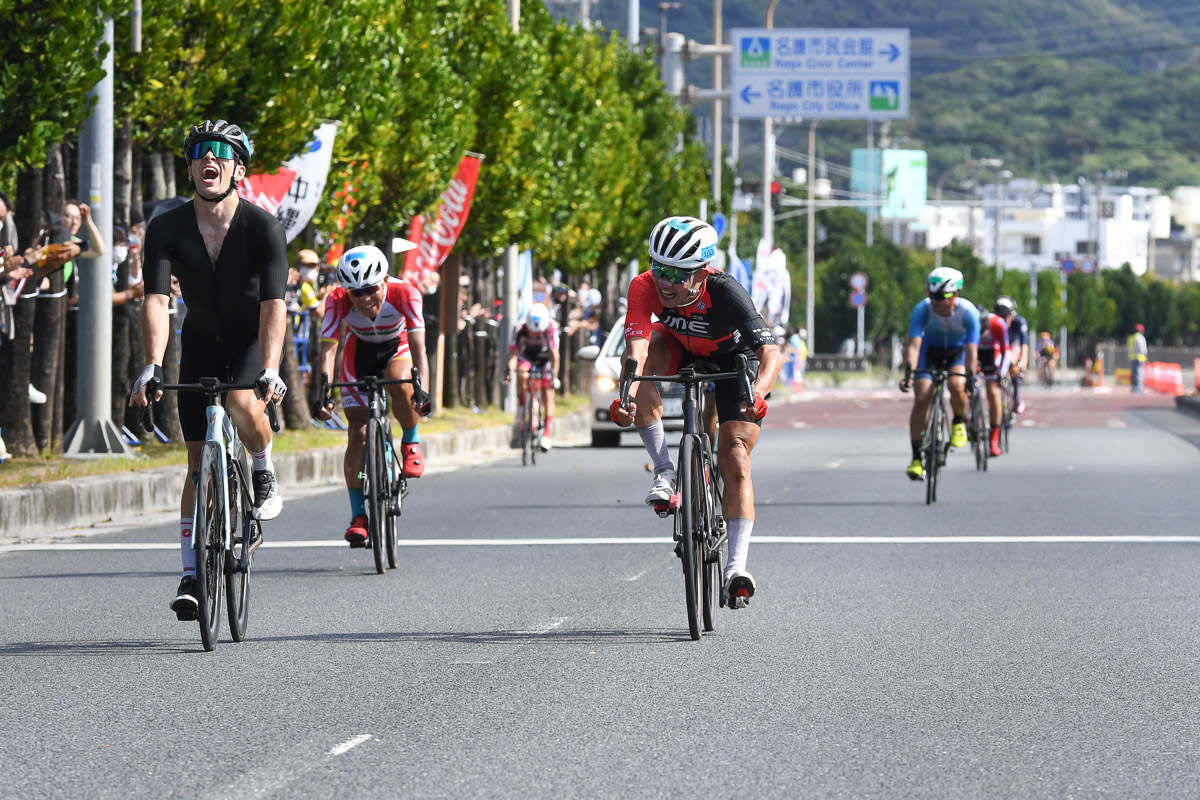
(87, 501)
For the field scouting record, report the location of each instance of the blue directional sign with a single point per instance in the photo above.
(1067, 265)
(820, 73)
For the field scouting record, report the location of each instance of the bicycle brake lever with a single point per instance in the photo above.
(627, 372)
(147, 418)
(747, 386)
(273, 416)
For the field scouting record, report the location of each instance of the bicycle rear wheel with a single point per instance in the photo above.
(375, 492)
(237, 580)
(535, 429)
(208, 536)
(690, 524)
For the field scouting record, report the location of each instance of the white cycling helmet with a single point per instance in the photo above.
(1005, 305)
(539, 318)
(944, 279)
(686, 243)
(362, 267)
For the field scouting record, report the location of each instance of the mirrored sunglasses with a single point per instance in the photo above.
(672, 274)
(364, 292)
(218, 149)
(943, 295)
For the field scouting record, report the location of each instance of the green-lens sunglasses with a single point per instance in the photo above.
(672, 274)
(218, 149)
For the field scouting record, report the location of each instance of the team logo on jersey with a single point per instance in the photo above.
(696, 327)
(701, 306)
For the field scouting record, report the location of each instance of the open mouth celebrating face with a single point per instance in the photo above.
(210, 172)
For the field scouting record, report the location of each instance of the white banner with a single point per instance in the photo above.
(293, 203)
(772, 287)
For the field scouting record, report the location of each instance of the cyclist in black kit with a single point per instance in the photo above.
(702, 313)
(230, 257)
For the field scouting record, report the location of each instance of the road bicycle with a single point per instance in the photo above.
(699, 529)
(935, 442)
(384, 484)
(979, 424)
(1008, 409)
(533, 424)
(1045, 373)
(225, 534)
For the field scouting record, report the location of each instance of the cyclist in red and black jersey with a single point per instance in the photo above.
(707, 314)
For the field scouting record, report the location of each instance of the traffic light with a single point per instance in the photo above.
(776, 193)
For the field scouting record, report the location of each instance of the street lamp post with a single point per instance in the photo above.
(998, 208)
(768, 213)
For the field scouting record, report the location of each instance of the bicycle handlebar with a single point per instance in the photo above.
(369, 383)
(688, 377)
(211, 387)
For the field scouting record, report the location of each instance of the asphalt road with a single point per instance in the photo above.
(1031, 635)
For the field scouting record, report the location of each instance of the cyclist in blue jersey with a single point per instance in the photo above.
(943, 334)
(1018, 345)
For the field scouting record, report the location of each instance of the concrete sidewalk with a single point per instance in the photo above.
(38, 510)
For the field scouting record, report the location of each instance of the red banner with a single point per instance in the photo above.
(438, 239)
(411, 273)
(267, 191)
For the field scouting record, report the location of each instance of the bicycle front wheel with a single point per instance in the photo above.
(392, 470)
(690, 522)
(237, 579)
(375, 492)
(527, 431)
(933, 447)
(711, 549)
(208, 532)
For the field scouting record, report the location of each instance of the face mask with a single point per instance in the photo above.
(308, 275)
(120, 253)
(134, 241)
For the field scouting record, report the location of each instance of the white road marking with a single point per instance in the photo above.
(835, 464)
(639, 575)
(799, 424)
(545, 627)
(349, 744)
(652, 540)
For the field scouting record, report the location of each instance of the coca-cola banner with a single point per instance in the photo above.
(437, 240)
(292, 193)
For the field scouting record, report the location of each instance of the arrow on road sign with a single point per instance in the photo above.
(892, 52)
(747, 95)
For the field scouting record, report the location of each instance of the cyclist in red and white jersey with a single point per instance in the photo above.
(535, 343)
(702, 313)
(384, 336)
(993, 362)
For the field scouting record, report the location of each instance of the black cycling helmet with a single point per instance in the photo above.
(220, 131)
(1005, 305)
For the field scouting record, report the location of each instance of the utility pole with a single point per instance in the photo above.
(508, 399)
(810, 317)
(870, 182)
(718, 108)
(93, 430)
(768, 213)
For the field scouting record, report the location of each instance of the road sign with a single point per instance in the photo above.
(819, 73)
(1087, 265)
(859, 281)
(1067, 265)
(858, 299)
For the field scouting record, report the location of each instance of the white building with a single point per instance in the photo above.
(1038, 225)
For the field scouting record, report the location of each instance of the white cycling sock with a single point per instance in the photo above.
(185, 546)
(739, 543)
(656, 445)
(263, 460)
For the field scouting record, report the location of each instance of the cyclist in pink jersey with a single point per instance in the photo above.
(384, 333)
(535, 343)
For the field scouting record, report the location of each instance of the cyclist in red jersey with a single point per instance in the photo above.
(993, 362)
(702, 313)
(383, 318)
